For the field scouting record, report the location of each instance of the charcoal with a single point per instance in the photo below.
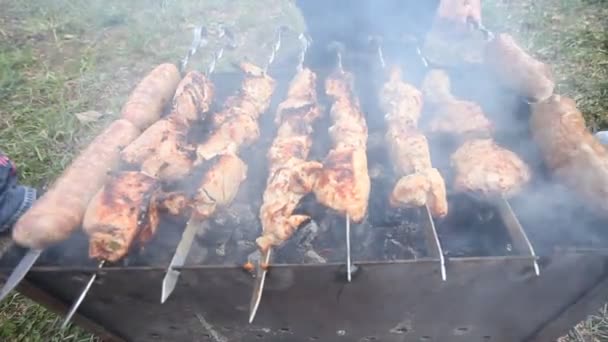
(473, 227)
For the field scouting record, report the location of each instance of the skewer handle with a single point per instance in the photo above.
(305, 42)
(276, 47)
(199, 40)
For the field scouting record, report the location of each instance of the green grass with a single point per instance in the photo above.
(61, 57)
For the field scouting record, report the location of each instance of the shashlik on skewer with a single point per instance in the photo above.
(482, 167)
(344, 183)
(574, 156)
(419, 183)
(291, 176)
(163, 150)
(236, 124)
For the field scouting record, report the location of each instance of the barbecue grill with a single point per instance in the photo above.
(523, 269)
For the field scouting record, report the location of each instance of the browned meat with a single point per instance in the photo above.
(517, 70)
(59, 212)
(218, 187)
(574, 155)
(236, 124)
(420, 183)
(162, 150)
(120, 213)
(344, 184)
(401, 102)
(220, 184)
(192, 99)
(484, 168)
(291, 176)
(425, 187)
(453, 116)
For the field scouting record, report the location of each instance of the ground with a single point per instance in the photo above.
(59, 58)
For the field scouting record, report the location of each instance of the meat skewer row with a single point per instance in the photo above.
(344, 184)
(291, 176)
(420, 184)
(112, 222)
(482, 167)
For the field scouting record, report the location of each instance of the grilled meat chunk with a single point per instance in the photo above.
(120, 213)
(517, 70)
(420, 183)
(486, 169)
(452, 116)
(162, 150)
(576, 158)
(291, 176)
(219, 185)
(344, 184)
(425, 187)
(236, 124)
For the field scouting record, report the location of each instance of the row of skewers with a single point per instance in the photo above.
(116, 188)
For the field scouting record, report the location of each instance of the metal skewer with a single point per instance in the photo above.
(26, 263)
(275, 47)
(184, 245)
(348, 260)
(305, 42)
(80, 298)
(199, 40)
(489, 35)
(263, 263)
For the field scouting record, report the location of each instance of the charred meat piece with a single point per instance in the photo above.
(291, 175)
(121, 213)
(163, 150)
(486, 169)
(236, 124)
(452, 116)
(420, 183)
(517, 70)
(219, 185)
(576, 158)
(344, 184)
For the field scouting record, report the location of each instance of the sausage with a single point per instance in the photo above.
(147, 101)
(59, 212)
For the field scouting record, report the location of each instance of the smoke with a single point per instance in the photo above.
(551, 214)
